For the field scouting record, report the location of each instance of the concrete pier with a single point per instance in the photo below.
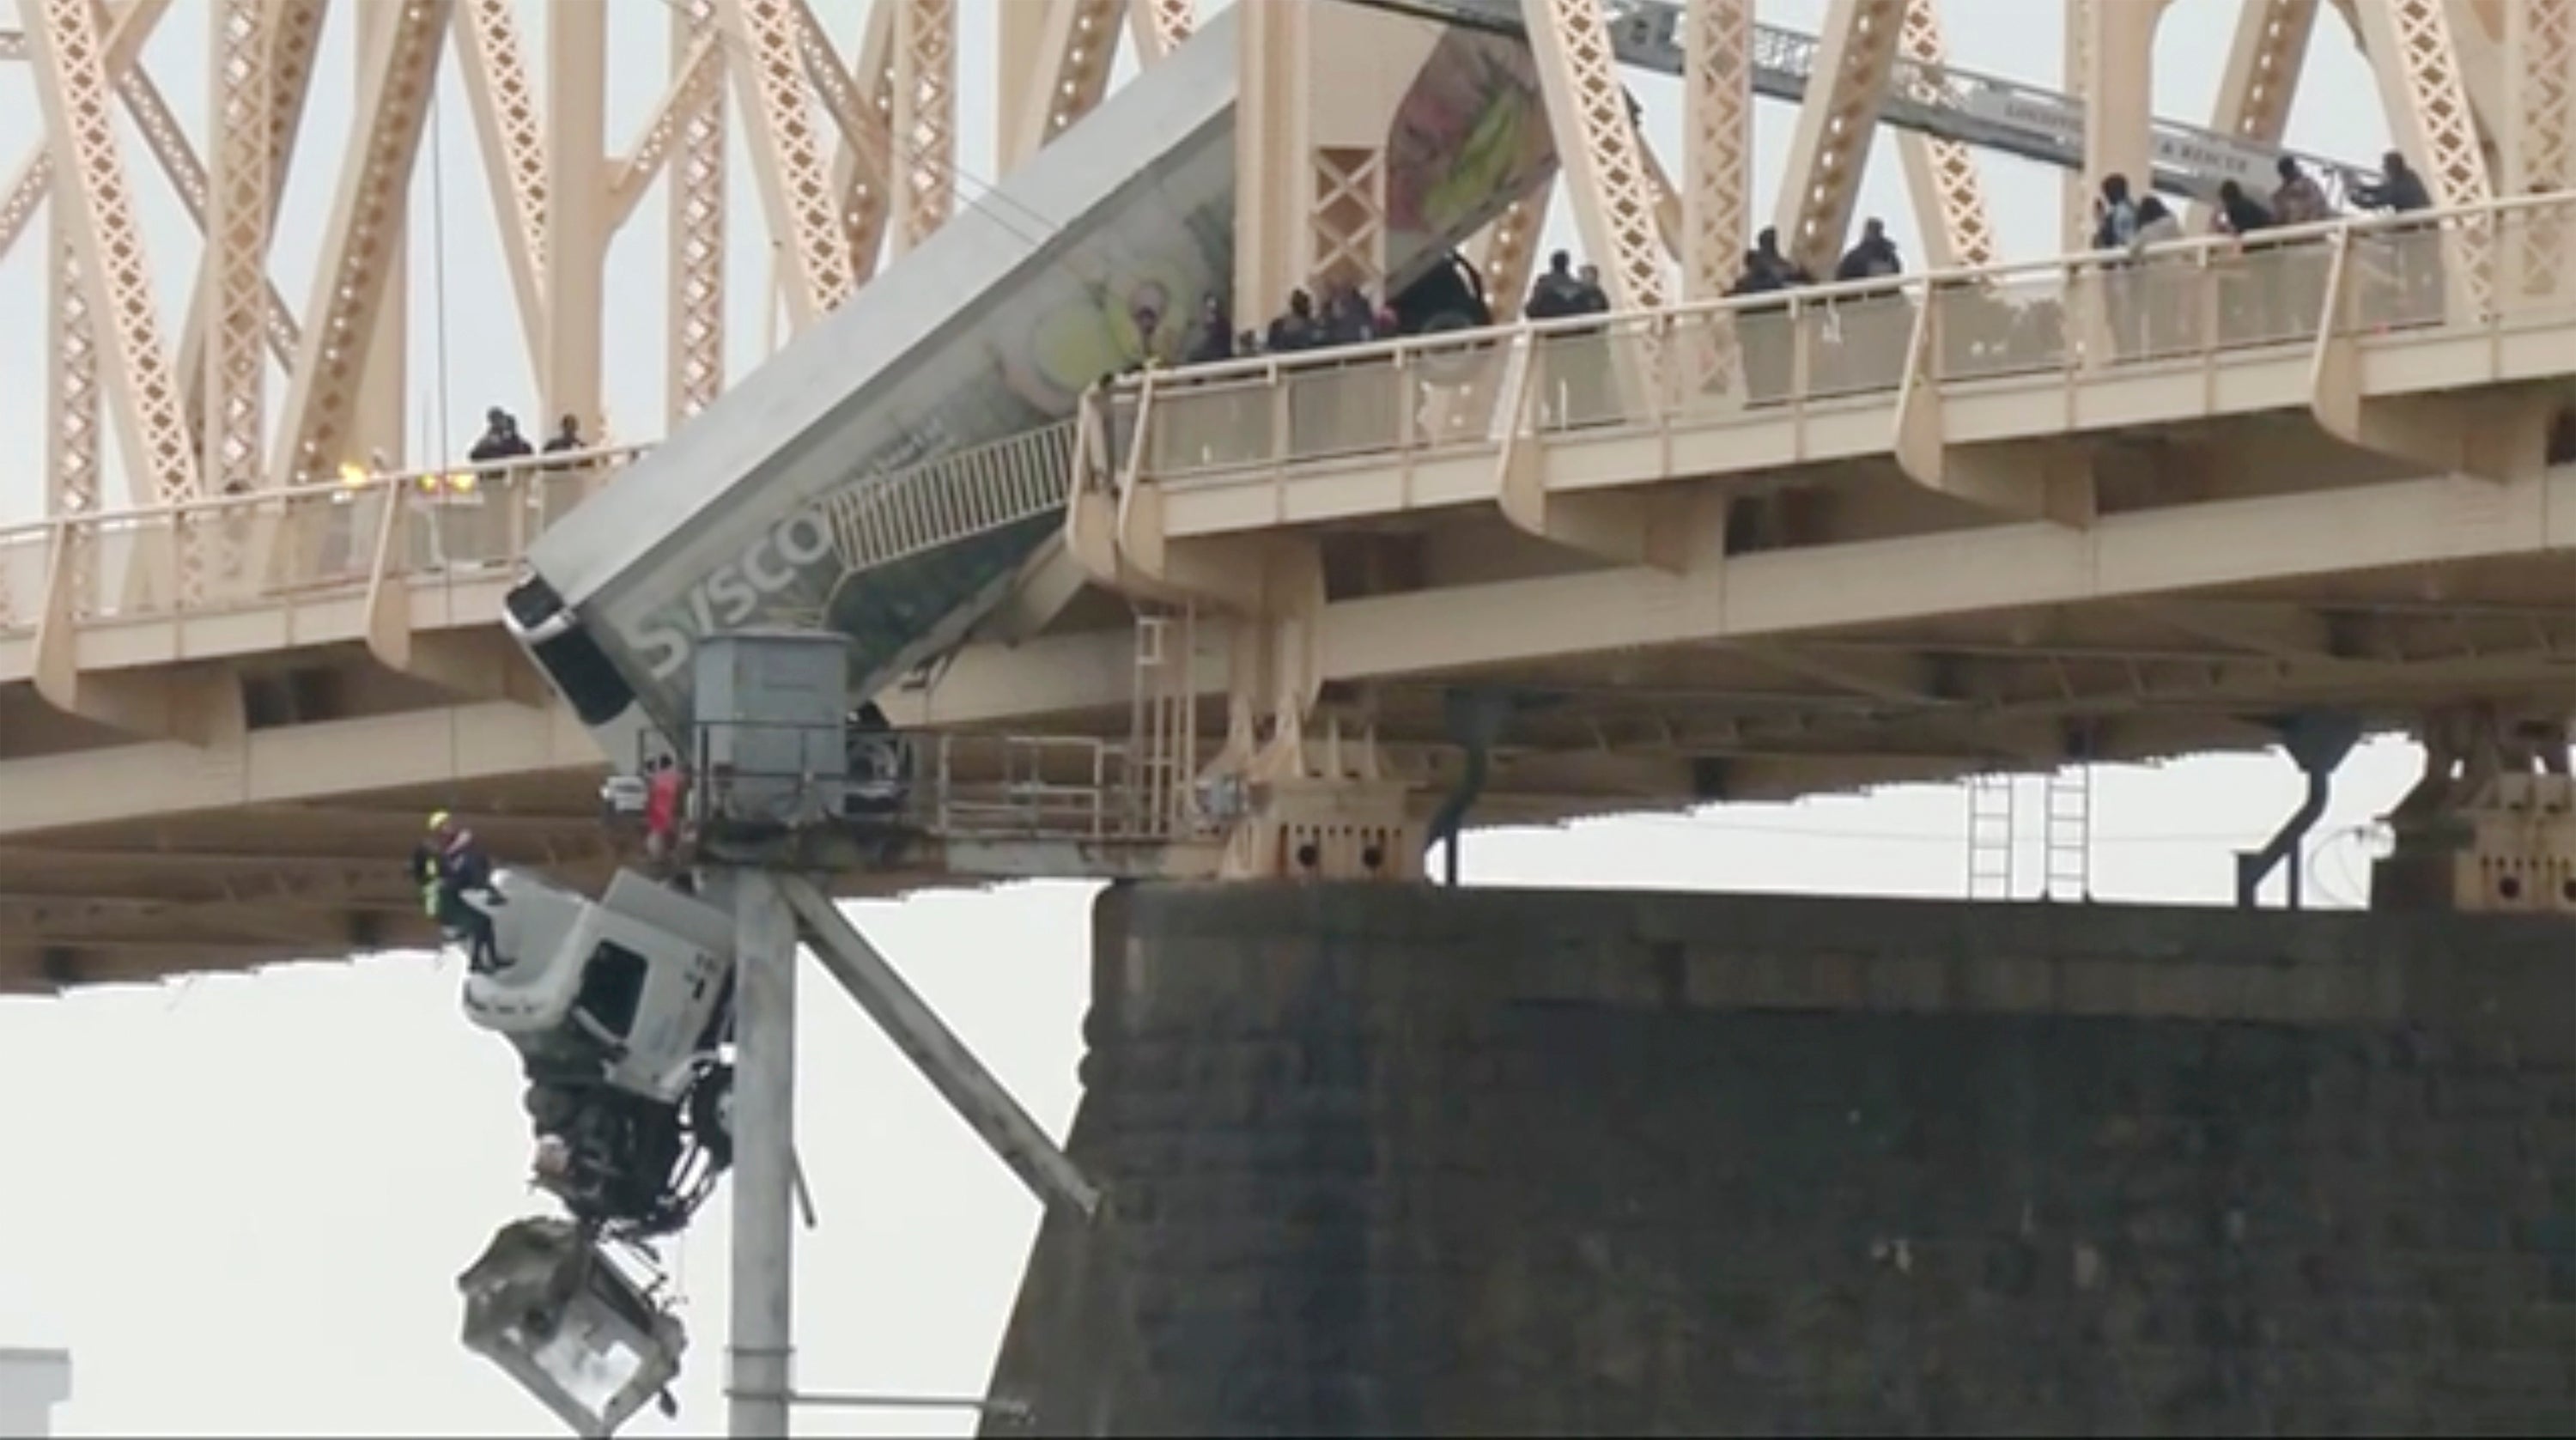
(1407, 1161)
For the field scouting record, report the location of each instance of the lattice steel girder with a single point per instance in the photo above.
(399, 65)
(923, 129)
(768, 66)
(2540, 122)
(2431, 123)
(510, 127)
(1597, 147)
(35, 174)
(1161, 26)
(1829, 150)
(1509, 246)
(1717, 160)
(241, 56)
(2264, 60)
(1941, 176)
(694, 360)
(696, 67)
(1076, 43)
(2417, 65)
(167, 139)
(72, 469)
(96, 212)
(860, 101)
(294, 32)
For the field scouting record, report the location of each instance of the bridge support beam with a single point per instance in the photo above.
(760, 1373)
(1663, 528)
(2025, 480)
(199, 705)
(477, 666)
(1431, 1141)
(2494, 435)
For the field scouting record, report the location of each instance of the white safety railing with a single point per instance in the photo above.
(2509, 264)
(880, 519)
(1065, 788)
(238, 552)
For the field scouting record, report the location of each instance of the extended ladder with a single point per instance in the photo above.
(2069, 834)
(1943, 101)
(1991, 807)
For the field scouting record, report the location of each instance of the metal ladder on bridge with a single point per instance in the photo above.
(1991, 841)
(1943, 101)
(1163, 748)
(2066, 835)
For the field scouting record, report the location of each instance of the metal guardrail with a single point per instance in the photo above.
(2200, 296)
(281, 546)
(946, 784)
(879, 520)
(236, 552)
(2512, 262)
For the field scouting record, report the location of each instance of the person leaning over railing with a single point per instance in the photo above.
(1872, 329)
(2249, 308)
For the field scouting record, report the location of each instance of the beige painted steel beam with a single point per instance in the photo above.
(242, 58)
(1828, 151)
(1717, 158)
(693, 365)
(2264, 61)
(763, 48)
(1601, 156)
(569, 372)
(510, 124)
(346, 319)
(923, 129)
(93, 208)
(1941, 176)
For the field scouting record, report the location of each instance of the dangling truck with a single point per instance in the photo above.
(888, 476)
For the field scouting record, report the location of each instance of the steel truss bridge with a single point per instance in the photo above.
(1996, 516)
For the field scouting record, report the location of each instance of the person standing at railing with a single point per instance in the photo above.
(2115, 227)
(2301, 267)
(566, 439)
(2172, 311)
(1871, 330)
(2249, 302)
(500, 439)
(2415, 250)
(562, 482)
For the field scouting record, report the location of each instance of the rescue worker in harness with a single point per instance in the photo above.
(448, 866)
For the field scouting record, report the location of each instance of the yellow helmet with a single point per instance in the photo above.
(437, 820)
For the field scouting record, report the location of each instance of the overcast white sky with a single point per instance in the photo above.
(242, 1202)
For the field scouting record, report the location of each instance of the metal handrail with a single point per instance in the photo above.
(1269, 368)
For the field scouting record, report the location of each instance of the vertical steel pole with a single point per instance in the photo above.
(764, 1129)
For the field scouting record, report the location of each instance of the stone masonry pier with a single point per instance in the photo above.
(1406, 1161)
